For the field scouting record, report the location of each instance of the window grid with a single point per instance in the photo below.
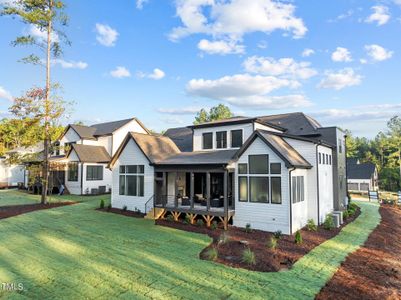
(132, 180)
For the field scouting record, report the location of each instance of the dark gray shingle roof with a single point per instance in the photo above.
(85, 132)
(182, 137)
(218, 157)
(90, 154)
(359, 171)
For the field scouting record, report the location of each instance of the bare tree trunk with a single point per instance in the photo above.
(45, 181)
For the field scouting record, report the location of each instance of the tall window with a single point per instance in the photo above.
(207, 140)
(276, 190)
(258, 164)
(236, 138)
(243, 188)
(73, 171)
(94, 173)
(221, 139)
(132, 180)
(259, 189)
(340, 146)
(298, 189)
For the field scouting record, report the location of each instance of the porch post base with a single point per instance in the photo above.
(208, 220)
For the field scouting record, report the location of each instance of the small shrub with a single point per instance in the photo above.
(170, 218)
(213, 226)
(278, 234)
(101, 204)
(200, 222)
(248, 257)
(298, 237)
(125, 208)
(212, 254)
(351, 212)
(353, 206)
(187, 220)
(311, 225)
(345, 214)
(328, 222)
(109, 207)
(272, 243)
(223, 238)
(248, 228)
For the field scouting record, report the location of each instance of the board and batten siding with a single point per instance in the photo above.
(263, 216)
(88, 185)
(326, 191)
(120, 134)
(132, 155)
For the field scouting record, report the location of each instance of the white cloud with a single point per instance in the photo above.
(247, 90)
(140, 3)
(340, 79)
(4, 94)
(378, 53)
(380, 15)
(346, 15)
(308, 52)
(70, 64)
(262, 45)
(173, 120)
(42, 35)
(157, 74)
(341, 55)
(398, 2)
(120, 72)
(286, 67)
(220, 47)
(106, 35)
(180, 111)
(231, 20)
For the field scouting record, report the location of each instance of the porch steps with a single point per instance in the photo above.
(155, 213)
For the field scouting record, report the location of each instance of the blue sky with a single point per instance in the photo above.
(161, 61)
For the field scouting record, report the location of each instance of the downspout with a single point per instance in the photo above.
(317, 182)
(82, 178)
(290, 192)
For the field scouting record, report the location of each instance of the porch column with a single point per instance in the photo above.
(176, 190)
(226, 193)
(208, 190)
(192, 189)
(164, 190)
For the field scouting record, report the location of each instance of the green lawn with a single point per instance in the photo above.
(76, 252)
(15, 197)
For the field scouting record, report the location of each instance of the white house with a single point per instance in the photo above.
(85, 152)
(362, 177)
(239, 170)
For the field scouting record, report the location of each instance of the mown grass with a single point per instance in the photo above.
(76, 252)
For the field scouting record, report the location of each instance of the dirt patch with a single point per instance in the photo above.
(15, 210)
(127, 213)
(267, 260)
(374, 271)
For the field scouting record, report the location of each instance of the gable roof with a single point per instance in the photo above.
(90, 154)
(277, 143)
(357, 170)
(84, 132)
(182, 137)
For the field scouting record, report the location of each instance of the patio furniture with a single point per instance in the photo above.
(185, 201)
(217, 202)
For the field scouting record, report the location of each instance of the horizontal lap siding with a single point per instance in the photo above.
(132, 155)
(120, 134)
(263, 216)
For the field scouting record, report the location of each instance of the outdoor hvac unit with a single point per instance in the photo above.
(336, 219)
(94, 191)
(102, 189)
(340, 213)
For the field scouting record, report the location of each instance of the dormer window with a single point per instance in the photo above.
(236, 138)
(207, 140)
(221, 139)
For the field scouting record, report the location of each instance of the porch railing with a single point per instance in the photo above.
(148, 207)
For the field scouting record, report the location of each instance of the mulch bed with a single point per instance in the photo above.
(267, 260)
(118, 211)
(15, 210)
(373, 271)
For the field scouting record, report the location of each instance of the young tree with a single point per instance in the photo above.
(44, 15)
(218, 112)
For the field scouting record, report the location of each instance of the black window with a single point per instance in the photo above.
(298, 189)
(259, 189)
(243, 188)
(236, 138)
(207, 140)
(323, 159)
(221, 139)
(327, 159)
(73, 171)
(132, 180)
(340, 146)
(259, 164)
(330, 159)
(242, 168)
(94, 173)
(275, 168)
(320, 158)
(276, 190)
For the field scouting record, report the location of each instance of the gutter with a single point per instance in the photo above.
(317, 182)
(290, 192)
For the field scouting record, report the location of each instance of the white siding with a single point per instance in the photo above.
(69, 137)
(263, 216)
(247, 130)
(326, 191)
(265, 127)
(132, 155)
(104, 141)
(119, 134)
(11, 175)
(74, 187)
(300, 209)
(88, 185)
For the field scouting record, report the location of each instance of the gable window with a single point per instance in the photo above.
(221, 139)
(207, 140)
(132, 180)
(242, 168)
(236, 138)
(275, 190)
(258, 164)
(73, 171)
(94, 173)
(259, 189)
(275, 168)
(298, 189)
(243, 188)
(67, 146)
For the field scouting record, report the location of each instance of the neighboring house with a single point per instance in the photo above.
(83, 152)
(362, 177)
(273, 172)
